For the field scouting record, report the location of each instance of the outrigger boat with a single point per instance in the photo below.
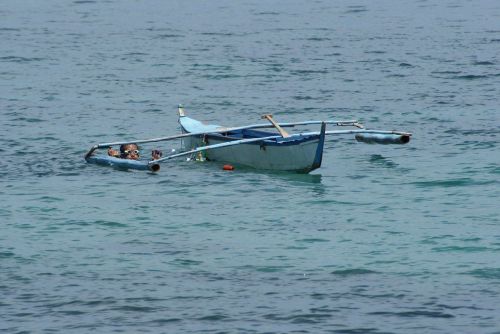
(249, 145)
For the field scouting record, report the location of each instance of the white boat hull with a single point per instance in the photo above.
(301, 157)
(299, 154)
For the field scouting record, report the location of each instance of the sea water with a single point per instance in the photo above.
(380, 239)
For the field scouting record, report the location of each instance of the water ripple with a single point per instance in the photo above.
(365, 244)
(411, 314)
(353, 272)
(487, 273)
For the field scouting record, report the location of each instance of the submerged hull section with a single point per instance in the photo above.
(105, 160)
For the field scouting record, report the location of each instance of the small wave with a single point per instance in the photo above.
(307, 72)
(379, 159)
(332, 201)
(161, 79)
(271, 269)
(469, 249)
(481, 63)
(168, 36)
(495, 170)
(470, 77)
(165, 321)
(479, 144)
(267, 13)
(466, 132)
(412, 314)
(99, 302)
(361, 330)
(377, 52)
(138, 102)
(263, 269)
(50, 199)
(312, 240)
(463, 182)
(397, 75)
(356, 9)
(187, 262)
(15, 59)
(99, 222)
(303, 98)
(136, 54)
(29, 120)
(133, 308)
(353, 272)
(71, 312)
(143, 299)
(446, 72)
(452, 307)
(4, 255)
(214, 317)
(318, 39)
(489, 273)
(308, 318)
(220, 76)
(217, 34)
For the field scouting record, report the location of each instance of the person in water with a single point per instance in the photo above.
(131, 151)
(127, 151)
(156, 154)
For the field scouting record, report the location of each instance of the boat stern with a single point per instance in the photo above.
(318, 158)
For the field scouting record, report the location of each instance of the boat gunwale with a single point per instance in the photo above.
(296, 140)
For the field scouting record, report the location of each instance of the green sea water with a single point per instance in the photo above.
(380, 239)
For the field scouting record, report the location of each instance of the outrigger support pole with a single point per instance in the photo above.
(376, 136)
(89, 153)
(221, 130)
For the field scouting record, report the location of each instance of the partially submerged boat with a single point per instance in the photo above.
(251, 146)
(298, 153)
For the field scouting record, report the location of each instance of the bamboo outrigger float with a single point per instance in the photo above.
(249, 145)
